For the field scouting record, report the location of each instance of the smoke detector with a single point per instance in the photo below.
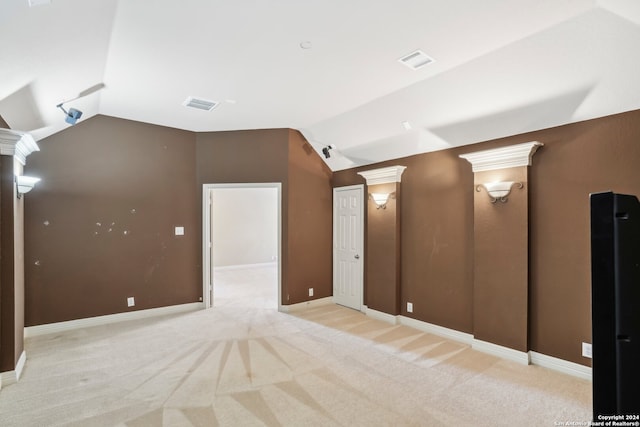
(200, 104)
(416, 59)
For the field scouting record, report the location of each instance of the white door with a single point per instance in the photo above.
(348, 243)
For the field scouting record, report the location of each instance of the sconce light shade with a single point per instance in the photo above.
(25, 184)
(499, 191)
(380, 199)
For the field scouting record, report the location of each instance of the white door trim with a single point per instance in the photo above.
(207, 267)
(363, 200)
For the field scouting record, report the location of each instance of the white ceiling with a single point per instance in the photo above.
(502, 67)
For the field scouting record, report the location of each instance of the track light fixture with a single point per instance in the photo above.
(326, 149)
(72, 115)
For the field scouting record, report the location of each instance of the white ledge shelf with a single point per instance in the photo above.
(501, 158)
(383, 175)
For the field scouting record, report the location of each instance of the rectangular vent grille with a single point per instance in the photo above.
(415, 60)
(200, 104)
(34, 3)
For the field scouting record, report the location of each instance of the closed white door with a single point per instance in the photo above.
(348, 243)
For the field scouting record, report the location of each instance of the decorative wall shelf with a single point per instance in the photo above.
(17, 144)
(383, 175)
(504, 157)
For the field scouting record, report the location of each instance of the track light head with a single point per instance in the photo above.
(72, 115)
(326, 152)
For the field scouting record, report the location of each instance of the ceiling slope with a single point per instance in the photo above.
(328, 68)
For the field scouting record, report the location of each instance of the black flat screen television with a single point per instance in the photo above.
(615, 304)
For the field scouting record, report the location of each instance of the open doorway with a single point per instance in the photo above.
(242, 237)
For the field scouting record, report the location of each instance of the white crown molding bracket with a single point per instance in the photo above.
(383, 175)
(17, 144)
(504, 157)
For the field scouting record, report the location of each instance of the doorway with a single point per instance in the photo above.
(241, 245)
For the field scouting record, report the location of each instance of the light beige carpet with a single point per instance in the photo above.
(249, 366)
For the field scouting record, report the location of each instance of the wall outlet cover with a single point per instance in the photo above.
(410, 307)
(310, 292)
(131, 302)
(586, 350)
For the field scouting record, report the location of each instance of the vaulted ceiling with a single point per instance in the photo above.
(328, 68)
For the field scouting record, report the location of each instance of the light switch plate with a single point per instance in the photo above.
(179, 231)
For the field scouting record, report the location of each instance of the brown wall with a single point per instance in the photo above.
(280, 155)
(251, 156)
(383, 251)
(577, 160)
(438, 238)
(310, 208)
(11, 266)
(501, 259)
(436, 234)
(99, 227)
(101, 169)
(7, 273)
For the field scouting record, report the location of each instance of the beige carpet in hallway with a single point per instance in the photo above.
(237, 365)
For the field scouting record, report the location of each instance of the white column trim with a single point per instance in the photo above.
(504, 157)
(17, 144)
(383, 175)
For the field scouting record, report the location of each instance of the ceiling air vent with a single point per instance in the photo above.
(200, 104)
(416, 59)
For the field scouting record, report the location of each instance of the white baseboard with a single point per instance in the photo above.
(305, 305)
(243, 266)
(20, 365)
(385, 317)
(441, 331)
(561, 365)
(51, 328)
(521, 357)
(531, 357)
(12, 377)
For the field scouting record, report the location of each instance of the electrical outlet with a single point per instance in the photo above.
(410, 307)
(310, 292)
(131, 302)
(586, 350)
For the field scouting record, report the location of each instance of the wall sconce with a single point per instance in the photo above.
(25, 184)
(380, 199)
(499, 191)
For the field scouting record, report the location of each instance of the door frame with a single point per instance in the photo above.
(359, 187)
(207, 246)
